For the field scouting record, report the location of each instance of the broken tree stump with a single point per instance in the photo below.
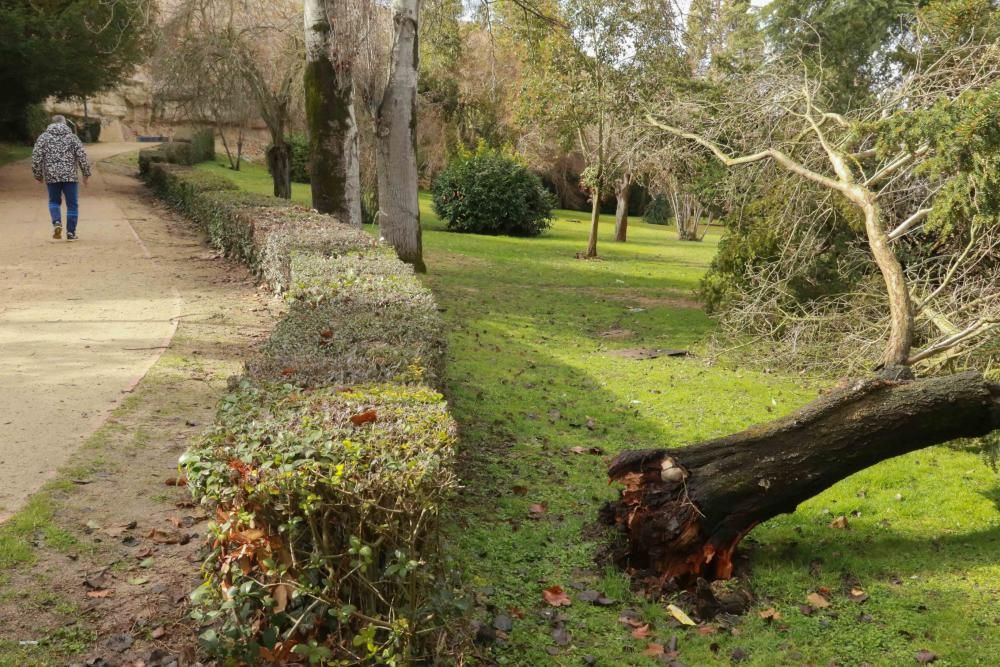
(685, 510)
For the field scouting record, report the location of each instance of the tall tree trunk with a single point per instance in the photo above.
(333, 132)
(399, 210)
(685, 510)
(279, 163)
(621, 211)
(595, 217)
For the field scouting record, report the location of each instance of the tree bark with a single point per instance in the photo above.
(333, 131)
(279, 163)
(684, 511)
(897, 348)
(595, 218)
(399, 210)
(621, 211)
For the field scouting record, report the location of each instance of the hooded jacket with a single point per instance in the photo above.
(56, 155)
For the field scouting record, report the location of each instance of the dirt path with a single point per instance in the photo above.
(80, 323)
(98, 565)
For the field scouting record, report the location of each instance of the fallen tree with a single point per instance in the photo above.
(686, 510)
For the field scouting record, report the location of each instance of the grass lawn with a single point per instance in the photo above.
(13, 152)
(532, 375)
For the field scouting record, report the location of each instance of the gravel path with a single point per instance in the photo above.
(80, 323)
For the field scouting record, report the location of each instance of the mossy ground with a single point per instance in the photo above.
(531, 329)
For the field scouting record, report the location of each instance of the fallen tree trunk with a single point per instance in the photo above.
(685, 510)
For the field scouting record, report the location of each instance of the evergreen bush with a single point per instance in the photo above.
(657, 211)
(492, 192)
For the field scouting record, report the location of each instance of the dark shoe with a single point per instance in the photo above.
(70, 236)
(57, 231)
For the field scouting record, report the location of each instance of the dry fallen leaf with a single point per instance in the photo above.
(364, 418)
(858, 595)
(166, 536)
(654, 650)
(817, 601)
(679, 614)
(281, 593)
(642, 632)
(556, 596)
(769, 614)
(99, 594)
(840, 523)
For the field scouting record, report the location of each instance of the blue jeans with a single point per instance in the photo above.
(56, 193)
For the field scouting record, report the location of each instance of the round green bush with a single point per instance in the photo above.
(491, 192)
(658, 211)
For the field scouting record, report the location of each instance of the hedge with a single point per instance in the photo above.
(328, 463)
(260, 231)
(354, 319)
(325, 520)
(200, 148)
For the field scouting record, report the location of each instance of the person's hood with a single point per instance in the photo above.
(58, 129)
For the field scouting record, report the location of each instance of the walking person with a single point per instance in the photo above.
(55, 160)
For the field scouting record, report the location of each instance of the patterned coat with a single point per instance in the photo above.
(56, 155)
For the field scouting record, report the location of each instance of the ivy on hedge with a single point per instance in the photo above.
(325, 523)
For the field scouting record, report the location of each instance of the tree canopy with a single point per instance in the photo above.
(66, 48)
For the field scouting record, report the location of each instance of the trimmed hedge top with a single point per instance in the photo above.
(354, 318)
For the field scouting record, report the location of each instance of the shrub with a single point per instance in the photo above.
(147, 157)
(657, 211)
(356, 318)
(326, 496)
(203, 146)
(491, 192)
(178, 152)
(326, 504)
(298, 151)
(36, 119)
(181, 185)
(299, 146)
